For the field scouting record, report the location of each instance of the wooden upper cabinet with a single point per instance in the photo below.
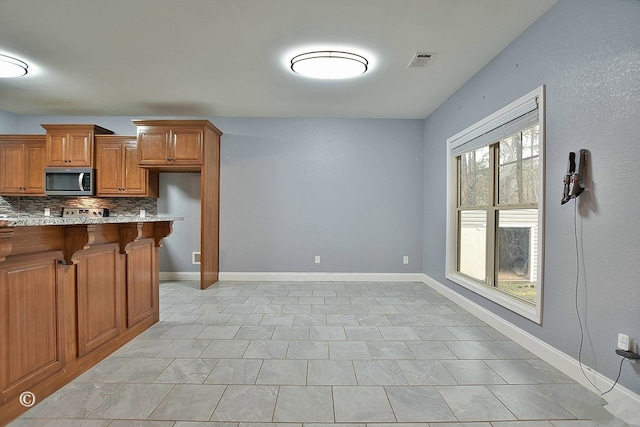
(171, 145)
(22, 163)
(71, 145)
(118, 173)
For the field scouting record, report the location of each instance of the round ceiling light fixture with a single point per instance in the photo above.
(12, 67)
(329, 64)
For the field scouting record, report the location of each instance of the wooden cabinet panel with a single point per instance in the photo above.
(140, 281)
(34, 172)
(69, 148)
(98, 297)
(22, 163)
(134, 178)
(153, 146)
(31, 347)
(186, 147)
(71, 145)
(118, 173)
(13, 160)
(170, 145)
(108, 169)
(56, 148)
(80, 148)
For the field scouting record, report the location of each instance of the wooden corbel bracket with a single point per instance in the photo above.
(76, 238)
(5, 242)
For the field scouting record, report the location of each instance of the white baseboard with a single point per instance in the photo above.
(561, 361)
(320, 277)
(298, 277)
(169, 275)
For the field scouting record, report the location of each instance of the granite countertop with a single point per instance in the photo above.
(34, 221)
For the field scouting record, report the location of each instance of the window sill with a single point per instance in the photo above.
(528, 311)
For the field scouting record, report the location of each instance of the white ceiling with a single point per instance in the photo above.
(229, 57)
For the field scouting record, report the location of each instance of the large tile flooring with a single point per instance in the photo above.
(258, 354)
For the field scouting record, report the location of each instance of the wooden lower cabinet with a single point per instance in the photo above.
(70, 296)
(31, 340)
(142, 294)
(98, 297)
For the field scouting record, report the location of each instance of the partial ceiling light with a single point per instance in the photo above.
(329, 64)
(12, 67)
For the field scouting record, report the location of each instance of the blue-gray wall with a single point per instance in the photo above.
(587, 53)
(180, 196)
(349, 190)
(8, 122)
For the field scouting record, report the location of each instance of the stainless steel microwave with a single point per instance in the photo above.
(69, 181)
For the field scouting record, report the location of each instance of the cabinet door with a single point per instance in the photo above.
(140, 281)
(79, 149)
(98, 297)
(109, 169)
(153, 146)
(133, 176)
(56, 148)
(186, 146)
(13, 169)
(35, 164)
(31, 343)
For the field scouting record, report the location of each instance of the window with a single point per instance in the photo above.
(494, 202)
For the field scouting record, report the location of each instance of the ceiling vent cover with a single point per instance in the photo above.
(419, 59)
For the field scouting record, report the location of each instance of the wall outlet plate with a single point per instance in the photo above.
(623, 342)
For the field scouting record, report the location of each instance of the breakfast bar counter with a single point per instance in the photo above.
(72, 291)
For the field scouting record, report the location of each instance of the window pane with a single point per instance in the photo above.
(517, 252)
(473, 173)
(518, 168)
(473, 244)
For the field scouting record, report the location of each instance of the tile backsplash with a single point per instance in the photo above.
(35, 206)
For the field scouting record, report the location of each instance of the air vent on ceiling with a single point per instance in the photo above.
(419, 59)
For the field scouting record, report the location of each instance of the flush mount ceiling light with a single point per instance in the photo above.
(12, 67)
(329, 64)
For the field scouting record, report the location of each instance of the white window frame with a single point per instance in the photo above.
(492, 122)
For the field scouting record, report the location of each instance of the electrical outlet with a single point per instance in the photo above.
(195, 257)
(317, 259)
(623, 342)
(405, 259)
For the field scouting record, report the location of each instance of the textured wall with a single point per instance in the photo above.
(180, 196)
(347, 190)
(8, 123)
(587, 53)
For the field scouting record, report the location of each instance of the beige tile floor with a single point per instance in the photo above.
(318, 354)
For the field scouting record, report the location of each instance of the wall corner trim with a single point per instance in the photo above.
(559, 360)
